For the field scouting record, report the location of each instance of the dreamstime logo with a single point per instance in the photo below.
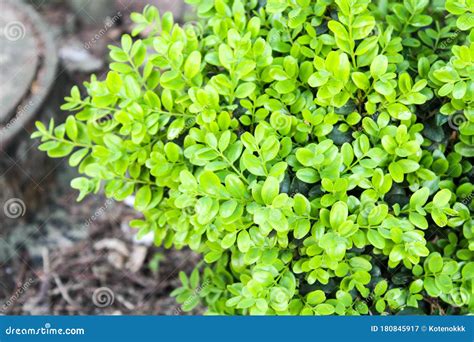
(293, 192)
(190, 211)
(193, 26)
(365, 209)
(105, 123)
(14, 31)
(456, 120)
(459, 296)
(281, 121)
(103, 297)
(14, 208)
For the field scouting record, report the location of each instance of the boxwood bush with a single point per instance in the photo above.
(318, 154)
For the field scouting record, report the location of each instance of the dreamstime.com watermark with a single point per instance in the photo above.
(449, 40)
(194, 297)
(452, 37)
(22, 109)
(18, 293)
(109, 22)
(98, 213)
(466, 200)
(46, 330)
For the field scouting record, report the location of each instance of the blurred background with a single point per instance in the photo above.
(58, 256)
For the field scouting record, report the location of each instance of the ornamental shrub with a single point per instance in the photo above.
(318, 154)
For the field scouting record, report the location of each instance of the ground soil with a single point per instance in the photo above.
(64, 257)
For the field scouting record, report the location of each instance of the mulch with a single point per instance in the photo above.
(69, 258)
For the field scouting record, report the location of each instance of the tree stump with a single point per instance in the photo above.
(28, 62)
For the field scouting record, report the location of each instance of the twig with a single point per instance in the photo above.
(64, 292)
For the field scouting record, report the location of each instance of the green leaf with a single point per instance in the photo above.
(359, 263)
(416, 286)
(307, 175)
(245, 90)
(206, 209)
(226, 56)
(194, 278)
(302, 228)
(78, 156)
(435, 262)
(175, 128)
(114, 82)
(243, 241)
(235, 186)
(315, 297)
(379, 66)
(465, 21)
(60, 150)
(442, 198)
(342, 36)
(285, 87)
(380, 305)
(210, 183)
(384, 88)
(253, 164)
(419, 197)
(362, 26)
(408, 166)
(270, 189)
(276, 6)
(301, 205)
(430, 287)
(126, 43)
(228, 240)
(439, 217)
(375, 238)
(360, 80)
(224, 141)
(71, 128)
(396, 171)
(192, 65)
(399, 111)
(418, 220)
(397, 253)
(324, 309)
(305, 156)
(338, 214)
(212, 256)
(143, 198)
(381, 287)
(228, 208)
(347, 154)
(132, 87)
(83, 185)
(333, 245)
